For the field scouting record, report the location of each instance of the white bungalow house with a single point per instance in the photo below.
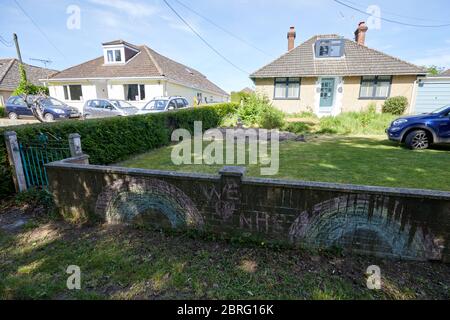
(133, 73)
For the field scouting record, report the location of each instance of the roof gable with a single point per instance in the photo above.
(358, 60)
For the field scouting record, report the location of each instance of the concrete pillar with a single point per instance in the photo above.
(12, 146)
(230, 193)
(75, 145)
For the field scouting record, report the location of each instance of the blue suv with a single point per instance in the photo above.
(421, 131)
(53, 109)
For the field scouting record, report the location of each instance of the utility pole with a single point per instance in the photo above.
(16, 41)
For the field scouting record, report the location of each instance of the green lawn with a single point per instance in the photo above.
(366, 160)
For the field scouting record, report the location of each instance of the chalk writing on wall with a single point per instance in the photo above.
(128, 198)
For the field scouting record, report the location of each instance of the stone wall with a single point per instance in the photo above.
(410, 224)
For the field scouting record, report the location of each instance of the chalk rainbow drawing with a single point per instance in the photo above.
(356, 222)
(126, 199)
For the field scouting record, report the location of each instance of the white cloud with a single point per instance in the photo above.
(134, 9)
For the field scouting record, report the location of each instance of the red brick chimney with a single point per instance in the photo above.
(291, 38)
(360, 33)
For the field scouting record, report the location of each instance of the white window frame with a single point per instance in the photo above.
(139, 91)
(67, 87)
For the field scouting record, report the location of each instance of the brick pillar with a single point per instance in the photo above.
(12, 146)
(75, 145)
(230, 193)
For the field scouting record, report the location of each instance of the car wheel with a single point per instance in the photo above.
(13, 116)
(48, 117)
(418, 140)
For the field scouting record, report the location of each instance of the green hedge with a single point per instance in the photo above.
(112, 140)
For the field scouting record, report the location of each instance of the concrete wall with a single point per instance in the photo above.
(401, 86)
(412, 224)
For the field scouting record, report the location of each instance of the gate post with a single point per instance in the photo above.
(75, 145)
(12, 146)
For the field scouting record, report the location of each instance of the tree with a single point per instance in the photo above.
(31, 94)
(434, 70)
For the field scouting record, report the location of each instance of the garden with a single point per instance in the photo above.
(137, 262)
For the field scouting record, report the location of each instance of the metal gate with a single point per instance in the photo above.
(38, 152)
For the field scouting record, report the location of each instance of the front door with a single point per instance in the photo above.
(326, 95)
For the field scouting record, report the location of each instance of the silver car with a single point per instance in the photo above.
(165, 104)
(104, 108)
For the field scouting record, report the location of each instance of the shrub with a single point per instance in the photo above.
(395, 105)
(112, 140)
(26, 87)
(2, 112)
(271, 118)
(297, 127)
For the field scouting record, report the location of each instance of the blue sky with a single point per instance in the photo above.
(263, 23)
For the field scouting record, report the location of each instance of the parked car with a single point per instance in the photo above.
(421, 131)
(164, 104)
(53, 109)
(103, 108)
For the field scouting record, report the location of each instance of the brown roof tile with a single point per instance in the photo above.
(358, 60)
(10, 76)
(147, 63)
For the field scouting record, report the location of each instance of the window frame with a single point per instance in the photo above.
(318, 45)
(141, 93)
(286, 82)
(374, 83)
(68, 94)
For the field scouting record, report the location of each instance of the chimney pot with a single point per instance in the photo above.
(360, 33)
(291, 38)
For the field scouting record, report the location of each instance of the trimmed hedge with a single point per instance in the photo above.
(112, 140)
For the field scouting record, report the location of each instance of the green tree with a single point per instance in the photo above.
(434, 70)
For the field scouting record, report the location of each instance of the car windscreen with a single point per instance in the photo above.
(53, 103)
(156, 105)
(121, 104)
(440, 110)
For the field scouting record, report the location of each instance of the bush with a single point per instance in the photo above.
(112, 140)
(271, 118)
(2, 112)
(395, 105)
(297, 127)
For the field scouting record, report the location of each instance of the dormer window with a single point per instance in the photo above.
(329, 48)
(114, 56)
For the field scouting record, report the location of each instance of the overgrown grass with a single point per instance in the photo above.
(370, 160)
(129, 263)
(351, 123)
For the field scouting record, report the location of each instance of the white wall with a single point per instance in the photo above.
(173, 89)
(115, 90)
(89, 91)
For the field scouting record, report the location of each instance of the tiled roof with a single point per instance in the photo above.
(147, 63)
(446, 73)
(358, 60)
(10, 76)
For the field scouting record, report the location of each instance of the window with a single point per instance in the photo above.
(134, 92)
(287, 88)
(114, 55)
(375, 87)
(73, 92)
(329, 48)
